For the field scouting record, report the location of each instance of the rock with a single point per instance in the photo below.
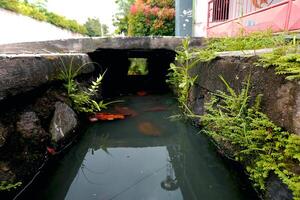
(276, 190)
(5, 173)
(63, 122)
(29, 126)
(3, 134)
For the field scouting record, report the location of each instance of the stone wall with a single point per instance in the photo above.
(280, 101)
(281, 98)
(36, 118)
(22, 73)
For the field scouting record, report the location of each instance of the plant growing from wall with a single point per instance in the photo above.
(246, 41)
(237, 127)
(252, 138)
(82, 100)
(179, 72)
(285, 59)
(179, 76)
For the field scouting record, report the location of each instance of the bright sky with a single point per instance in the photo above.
(80, 10)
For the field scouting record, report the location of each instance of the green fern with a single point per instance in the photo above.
(82, 100)
(286, 61)
(254, 139)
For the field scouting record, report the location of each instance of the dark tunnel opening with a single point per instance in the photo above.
(117, 62)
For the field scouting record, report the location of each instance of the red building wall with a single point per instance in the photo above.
(228, 19)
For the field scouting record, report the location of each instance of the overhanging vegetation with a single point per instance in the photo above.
(42, 14)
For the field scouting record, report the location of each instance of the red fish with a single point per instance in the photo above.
(149, 129)
(108, 116)
(141, 93)
(126, 111)
(51, 151)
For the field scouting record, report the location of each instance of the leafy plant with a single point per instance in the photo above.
(138, 66)
(285, 59)
(151, 18)
(68, 72)
(252, 138)
(179, 76)
(82, 100)
(6, 186)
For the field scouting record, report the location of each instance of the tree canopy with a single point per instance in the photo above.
(95, 28)
(145, 17)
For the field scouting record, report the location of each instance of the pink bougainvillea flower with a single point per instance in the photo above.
(133, 9)
(147, 10)
(155, 10)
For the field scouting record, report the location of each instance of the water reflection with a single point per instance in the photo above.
(115, 161)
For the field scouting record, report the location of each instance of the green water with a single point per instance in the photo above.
(144, 157)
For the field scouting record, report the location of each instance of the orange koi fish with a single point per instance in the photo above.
(108, 116)
(149, 129)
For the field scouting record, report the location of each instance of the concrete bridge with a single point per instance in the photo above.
(88, 45)
(25, 66)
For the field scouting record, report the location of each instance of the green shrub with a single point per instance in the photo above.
(151, 18)
(42, 15)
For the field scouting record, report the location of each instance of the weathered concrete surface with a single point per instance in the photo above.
(64, 121)
(87, 45)
(22, 73)
(281, 98)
